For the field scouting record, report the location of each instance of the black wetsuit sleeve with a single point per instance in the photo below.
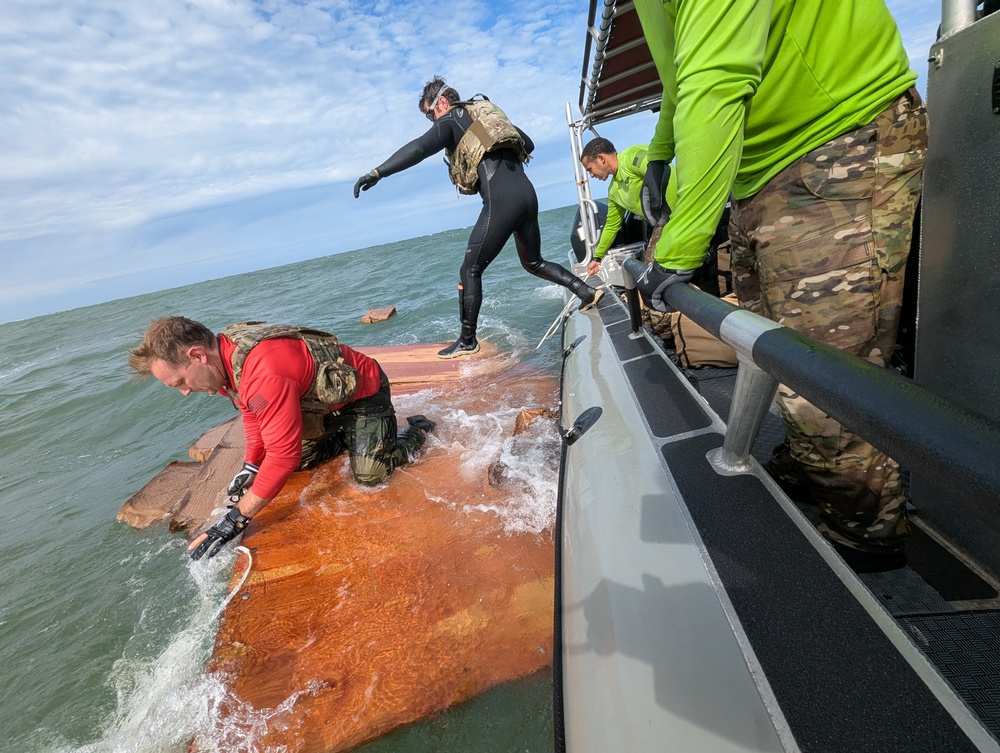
(438, 137)
(529, 145)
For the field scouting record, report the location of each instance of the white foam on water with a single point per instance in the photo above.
(530, 460)
(550, 292)
(531, 471)
(167, 701)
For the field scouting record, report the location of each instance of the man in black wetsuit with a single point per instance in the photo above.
(487, 160)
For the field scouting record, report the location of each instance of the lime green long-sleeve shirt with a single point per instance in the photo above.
(749, 86)
(624, 194)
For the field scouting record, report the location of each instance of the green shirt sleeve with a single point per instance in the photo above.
(623, 194)
(813, 70)
(712, 69)
(612, 224)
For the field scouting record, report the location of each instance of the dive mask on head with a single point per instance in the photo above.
(429, 112)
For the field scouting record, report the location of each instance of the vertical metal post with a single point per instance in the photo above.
(631, 299)
(588, 207)
(956, 15)
(752, 397)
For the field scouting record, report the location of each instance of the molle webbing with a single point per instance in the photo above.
(335, 382)
(490, 129)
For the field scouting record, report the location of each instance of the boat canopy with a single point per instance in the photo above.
(619, 77)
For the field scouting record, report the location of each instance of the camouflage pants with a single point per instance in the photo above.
(822, 249)
(366, 428)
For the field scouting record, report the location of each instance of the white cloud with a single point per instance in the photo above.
(116, 111)
(120, 118)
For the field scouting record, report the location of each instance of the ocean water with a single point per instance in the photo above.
(105, 630)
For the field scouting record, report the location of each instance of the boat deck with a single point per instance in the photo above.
(905, 660)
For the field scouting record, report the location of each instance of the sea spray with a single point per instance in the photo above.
(530, 460)
(166, 701)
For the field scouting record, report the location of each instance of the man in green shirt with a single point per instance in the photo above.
(626, 170)
(804, 113)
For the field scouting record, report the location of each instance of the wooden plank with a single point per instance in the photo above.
(410, 366)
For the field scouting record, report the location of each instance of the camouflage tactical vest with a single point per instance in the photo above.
(490, 130)
(335, 382)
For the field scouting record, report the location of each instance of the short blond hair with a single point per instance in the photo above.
(167, 339)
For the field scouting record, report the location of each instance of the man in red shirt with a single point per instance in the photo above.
(303, 396)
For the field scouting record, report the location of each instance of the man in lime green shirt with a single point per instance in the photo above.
(626, 169)
(803, 112)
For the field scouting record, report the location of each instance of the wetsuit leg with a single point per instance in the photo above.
(491, 231)
(510, 207)
(483, 247)
(510, 180)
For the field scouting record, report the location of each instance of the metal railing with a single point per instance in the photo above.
(907, 422)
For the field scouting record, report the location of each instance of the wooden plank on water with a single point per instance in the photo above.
(419, 364)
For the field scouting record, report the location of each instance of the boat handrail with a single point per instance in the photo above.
(915, 427)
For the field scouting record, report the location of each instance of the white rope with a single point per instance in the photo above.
(239, 585)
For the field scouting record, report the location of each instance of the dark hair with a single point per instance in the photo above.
(595, 147)
(167, 339)
(433, 90)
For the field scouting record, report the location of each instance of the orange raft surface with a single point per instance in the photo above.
(368, 609)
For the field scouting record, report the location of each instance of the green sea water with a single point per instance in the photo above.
(105, 630)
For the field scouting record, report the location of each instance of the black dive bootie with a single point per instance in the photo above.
(466, 345)
(586, 305)
(421, 422)
(588, 296)
(460, 348)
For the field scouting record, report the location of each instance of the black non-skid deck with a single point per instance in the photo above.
(840, 682)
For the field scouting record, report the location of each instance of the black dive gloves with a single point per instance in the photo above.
(653, 281)
(233, 522)
(654, 188)
(365, 182)
(225, 530)
(241, 482)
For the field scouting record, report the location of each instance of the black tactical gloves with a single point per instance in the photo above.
(653, 280)
(241, 482)
(226, 529)
(654, 188)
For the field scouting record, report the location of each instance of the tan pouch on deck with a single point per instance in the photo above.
(696, 346)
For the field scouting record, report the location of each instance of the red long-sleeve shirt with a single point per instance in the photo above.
(276, 374)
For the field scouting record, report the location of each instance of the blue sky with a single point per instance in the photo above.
(157, 143)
